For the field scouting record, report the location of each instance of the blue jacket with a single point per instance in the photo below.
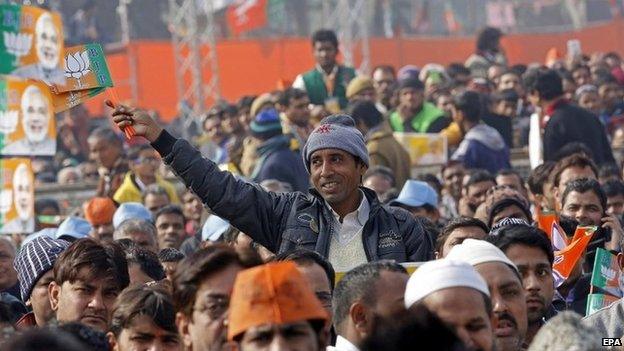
(284, 222)
(277, 161)
(483, 147)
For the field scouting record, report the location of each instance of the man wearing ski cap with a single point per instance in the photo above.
(458, 295)
(339, 219)
(34, 264)
(509, 317)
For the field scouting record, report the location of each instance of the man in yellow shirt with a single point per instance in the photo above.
(144, 164)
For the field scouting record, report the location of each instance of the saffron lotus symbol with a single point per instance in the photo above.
(17, 44)
(77, 65)
(8, 121)
(6, 200)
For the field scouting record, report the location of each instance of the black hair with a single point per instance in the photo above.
(413, 83)
(403, 331)
(230, 109)
(504, 95)
(488, 39)
(382, 171)
(49, 339)
(135, 151)
(578, 66)
(94, 339)
(478, 176)
(359, 283)
(365, 112)
(169, 209)
(147, 261)
(584, 185)
(322, 35)
(520, 69)
(546, 82)
(470, 104)
(613, 188)
(245, 101)
(522, 234)
(384, 68)
(455, 223)
(432, 180)
(455, 69)
(572, 148)
(306, 257)
(539, 176)
(289, 94)
(108, 135)
(508, 172)
(41, 204)
(170, 254)
(608, 170)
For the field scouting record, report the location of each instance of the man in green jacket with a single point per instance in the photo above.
(414, 114)
(326, 84)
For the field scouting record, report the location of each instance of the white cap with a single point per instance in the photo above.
(442, 274)
(476, 251)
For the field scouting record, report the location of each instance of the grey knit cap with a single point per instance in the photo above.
(336, 132)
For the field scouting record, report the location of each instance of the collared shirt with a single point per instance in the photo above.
(353, 222)
(342, 344)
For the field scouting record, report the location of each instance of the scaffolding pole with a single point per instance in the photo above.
(349, 18)
(192, 27)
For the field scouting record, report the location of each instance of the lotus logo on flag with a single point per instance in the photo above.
(17, 44)
(8, 121)
(77, 65)
(6, 200)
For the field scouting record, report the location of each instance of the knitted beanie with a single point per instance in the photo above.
(336, 132)
(266, 124)
(34, 259)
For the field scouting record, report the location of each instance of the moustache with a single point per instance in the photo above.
(504, 316)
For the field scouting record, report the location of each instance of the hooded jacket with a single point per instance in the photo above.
(484, 148)
(284, 222)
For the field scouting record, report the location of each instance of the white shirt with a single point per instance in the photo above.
(342, 344)
(352, 222)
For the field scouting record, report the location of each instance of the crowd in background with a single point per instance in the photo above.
(292, 210)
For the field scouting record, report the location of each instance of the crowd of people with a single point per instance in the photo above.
(301, 219)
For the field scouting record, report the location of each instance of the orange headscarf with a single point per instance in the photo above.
(99, 210)
(273, 293)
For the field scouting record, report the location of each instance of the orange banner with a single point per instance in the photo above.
(566, 259)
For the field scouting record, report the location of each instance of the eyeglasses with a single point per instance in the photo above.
(214, 307)
(145, 160)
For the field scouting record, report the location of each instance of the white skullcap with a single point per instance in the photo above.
(442, 274)
(479, 251)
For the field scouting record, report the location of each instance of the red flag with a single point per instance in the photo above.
(247, 15)
(567, 258)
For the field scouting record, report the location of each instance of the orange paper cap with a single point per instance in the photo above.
(273, 293)
(99, 210)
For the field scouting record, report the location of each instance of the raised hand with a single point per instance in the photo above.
(140, 120)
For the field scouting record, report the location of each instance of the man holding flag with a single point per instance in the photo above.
(583, 202)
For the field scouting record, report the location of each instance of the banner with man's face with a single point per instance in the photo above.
(17, 196)
(31, 45)
(27, 123)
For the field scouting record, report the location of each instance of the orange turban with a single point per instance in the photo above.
(273, 293)
(100, 210)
